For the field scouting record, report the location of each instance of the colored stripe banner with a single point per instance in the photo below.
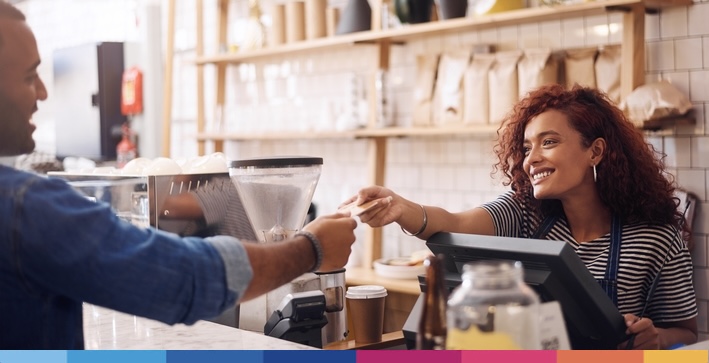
(352, 356)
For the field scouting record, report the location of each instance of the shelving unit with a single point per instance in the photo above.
(632, 72)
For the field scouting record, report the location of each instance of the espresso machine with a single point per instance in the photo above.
(276, 193)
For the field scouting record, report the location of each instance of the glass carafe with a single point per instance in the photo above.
(493, 309)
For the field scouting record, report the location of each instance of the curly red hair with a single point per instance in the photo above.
(631, 177)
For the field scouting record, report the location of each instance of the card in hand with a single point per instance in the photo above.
(356, 210)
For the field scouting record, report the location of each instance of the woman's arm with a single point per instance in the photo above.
(410, 215)
(681, 332)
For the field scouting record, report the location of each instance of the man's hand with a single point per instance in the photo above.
(336, 235)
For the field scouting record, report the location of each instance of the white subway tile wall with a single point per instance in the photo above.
(311, 91)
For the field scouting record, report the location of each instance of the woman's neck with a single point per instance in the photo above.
(588, 218)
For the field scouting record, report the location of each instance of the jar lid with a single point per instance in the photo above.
(366, 292)
(276, 162)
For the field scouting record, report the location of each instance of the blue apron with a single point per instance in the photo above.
(610, 281)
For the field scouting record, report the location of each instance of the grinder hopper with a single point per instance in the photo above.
(276, 192)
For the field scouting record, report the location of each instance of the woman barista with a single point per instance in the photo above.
(580, 172)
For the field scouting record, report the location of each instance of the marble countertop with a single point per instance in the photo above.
(109, 329)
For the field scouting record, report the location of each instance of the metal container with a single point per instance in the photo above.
(149, 200)
(332, 284)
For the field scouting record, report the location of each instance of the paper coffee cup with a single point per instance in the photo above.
(366, 307)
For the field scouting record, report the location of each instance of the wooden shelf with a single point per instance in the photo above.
(366, 276)
(393, 132)
(482, 130)
(279, 135)
(416, 31)
(671, 121)
(389, 340)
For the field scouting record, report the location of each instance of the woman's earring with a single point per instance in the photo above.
(595, 176)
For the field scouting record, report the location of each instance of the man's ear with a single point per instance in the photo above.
(598, 150)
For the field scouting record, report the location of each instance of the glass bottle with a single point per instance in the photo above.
(493, 309)
(126, 149)
(432, 325)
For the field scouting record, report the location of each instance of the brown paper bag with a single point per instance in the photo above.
(580, 67)
(426, 66)
(504, 87)
(536, 68)
(448, 98)
(476, 88)
(608, 71)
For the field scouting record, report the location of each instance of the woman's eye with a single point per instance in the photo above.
(526, 149)
(548, 142)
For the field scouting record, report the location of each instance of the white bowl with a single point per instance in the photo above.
(383, 269)
(208, 164)
(162, 166)
(136, 166)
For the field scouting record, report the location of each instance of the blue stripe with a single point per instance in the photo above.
(116, 356)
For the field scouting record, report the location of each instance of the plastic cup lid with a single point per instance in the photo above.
(366, 292)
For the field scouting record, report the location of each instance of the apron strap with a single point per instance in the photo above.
(545, 227)
(614, 260)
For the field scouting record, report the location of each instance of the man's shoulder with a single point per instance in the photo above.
(9, 175)
(11, 178)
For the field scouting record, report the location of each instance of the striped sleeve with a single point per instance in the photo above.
(507, 215)
(674, 299)
(645, 250)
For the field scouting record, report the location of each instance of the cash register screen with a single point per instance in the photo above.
(554, 271)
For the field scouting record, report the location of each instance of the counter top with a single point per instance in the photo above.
(109, 329)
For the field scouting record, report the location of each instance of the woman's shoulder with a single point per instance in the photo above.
(651, 233)
(647, 227)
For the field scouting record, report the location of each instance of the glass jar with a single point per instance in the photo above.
(493, 309)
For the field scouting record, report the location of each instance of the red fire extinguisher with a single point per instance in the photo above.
(132, 91)
(131, 104)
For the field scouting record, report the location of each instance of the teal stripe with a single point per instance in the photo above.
(32, 356)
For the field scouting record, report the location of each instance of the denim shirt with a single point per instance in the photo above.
(59, 249)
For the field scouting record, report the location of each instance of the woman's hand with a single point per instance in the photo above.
(646, 334)
(385, 212)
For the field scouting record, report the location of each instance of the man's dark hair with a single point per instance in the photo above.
(9, 11)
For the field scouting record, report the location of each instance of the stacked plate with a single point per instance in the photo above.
(398, 268)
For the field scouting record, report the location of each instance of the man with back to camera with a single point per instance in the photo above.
(58, 249)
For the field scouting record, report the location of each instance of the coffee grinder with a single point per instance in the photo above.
(276, 193)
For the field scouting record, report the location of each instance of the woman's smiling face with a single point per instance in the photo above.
(556, 161)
